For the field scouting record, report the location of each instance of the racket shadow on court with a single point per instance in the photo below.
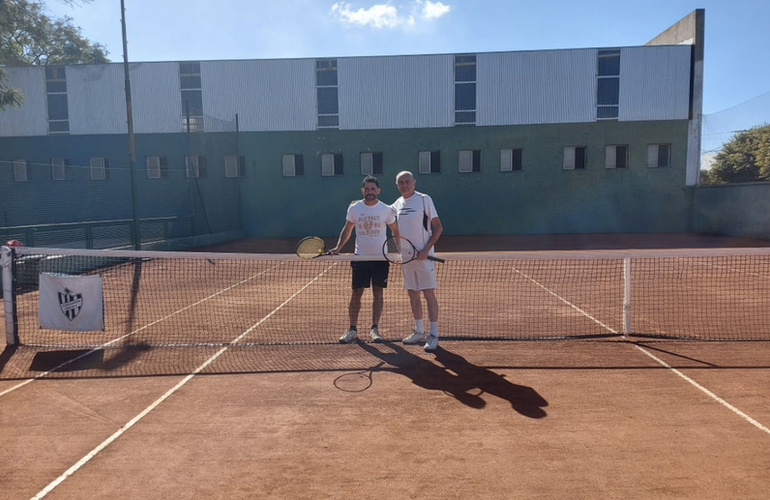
(467, 384)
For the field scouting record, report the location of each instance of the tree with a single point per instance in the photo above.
(28, 36)
(745, 158)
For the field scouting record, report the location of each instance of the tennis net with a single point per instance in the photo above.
(187, 298)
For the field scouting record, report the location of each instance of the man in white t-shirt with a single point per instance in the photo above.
(419, 223)
(369, 217)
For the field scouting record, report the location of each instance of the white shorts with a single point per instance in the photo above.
(419, 275)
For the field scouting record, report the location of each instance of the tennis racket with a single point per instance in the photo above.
(401, 250)
(311, 247)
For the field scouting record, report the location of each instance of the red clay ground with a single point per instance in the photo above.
(498, 420)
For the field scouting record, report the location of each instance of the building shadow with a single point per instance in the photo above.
(465, 382)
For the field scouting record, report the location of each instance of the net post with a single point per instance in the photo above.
(626, 296)
(9, 295)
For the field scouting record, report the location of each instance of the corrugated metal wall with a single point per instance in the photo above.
(272, 95)
(156, 97)
(519, 88)
(31, 118)
(396, 92)
(388, 92)
(655, 83)
(97, 102)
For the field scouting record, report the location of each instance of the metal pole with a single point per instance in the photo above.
(136, 237)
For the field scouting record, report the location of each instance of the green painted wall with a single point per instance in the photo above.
(542, 198)
(735, 210)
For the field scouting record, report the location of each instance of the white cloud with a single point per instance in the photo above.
(378, 16)
(386, 15)
(433, 10)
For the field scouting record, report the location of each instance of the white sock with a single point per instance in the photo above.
(419, 326)
(434, 328)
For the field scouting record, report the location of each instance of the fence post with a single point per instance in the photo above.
(9, 296)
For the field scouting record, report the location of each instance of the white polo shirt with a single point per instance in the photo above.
(414, 215)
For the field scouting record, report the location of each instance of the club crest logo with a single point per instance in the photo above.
(70, 303)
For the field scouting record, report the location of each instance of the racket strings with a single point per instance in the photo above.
(398, 250)
(311, 247)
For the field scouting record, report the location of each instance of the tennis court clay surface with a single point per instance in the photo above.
(600, 418)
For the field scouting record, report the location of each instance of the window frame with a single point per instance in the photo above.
(430, 159)
(161, 169)
(59, 169)
(611, 156)
(570, 160)
(655, 157)
(374, 164)
(104, 168)
(289, 165)
(241, 166)
(469, 161)
(198, 168)
(607, 74)
(514, 165)
(332, 165)
(21, 169)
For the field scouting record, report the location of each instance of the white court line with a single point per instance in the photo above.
(707, 392)
(573, 306)
(660, 361)
(22, 384)
(45, 491)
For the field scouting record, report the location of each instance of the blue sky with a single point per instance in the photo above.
(737, 41)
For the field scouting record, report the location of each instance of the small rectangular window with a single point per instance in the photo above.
(658, 155)
(465, 96)
(59, 168)
(575, 158)
(609, 62)
(511, 159)
(20, 170)
(157, 167)
(616, 156)
(235, 166)
(57, 107)
(470, 160)
(100, 168)
(608, 92)
(328, 102)
(371, 163)
(293, 165)
(331, 164)
(430, 162)
(194, 166)
(329, 121)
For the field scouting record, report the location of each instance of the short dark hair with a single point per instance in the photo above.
(370, 178)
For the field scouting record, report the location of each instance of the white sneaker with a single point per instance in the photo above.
(416, 337)
(375, 333)
(349, 336)
(431, 344)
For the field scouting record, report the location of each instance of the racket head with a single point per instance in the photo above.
(311, 247)
(399, 250)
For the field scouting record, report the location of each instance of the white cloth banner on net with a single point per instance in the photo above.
(71, 302)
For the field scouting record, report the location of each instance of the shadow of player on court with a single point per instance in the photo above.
(523, 399)
(458, 378)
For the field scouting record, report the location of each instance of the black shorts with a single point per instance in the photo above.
(366, 272)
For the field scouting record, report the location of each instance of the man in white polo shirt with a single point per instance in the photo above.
(369, 217)
(419, 223)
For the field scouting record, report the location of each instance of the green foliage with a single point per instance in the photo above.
(745, 158)
(28, 36)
